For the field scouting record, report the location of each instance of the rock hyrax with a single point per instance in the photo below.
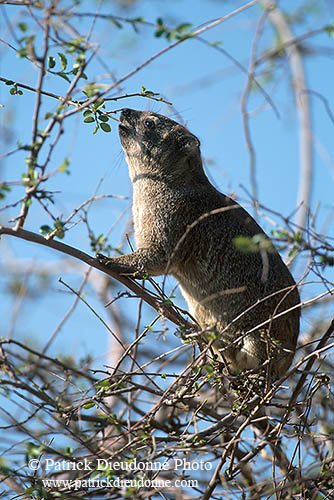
(185, 227)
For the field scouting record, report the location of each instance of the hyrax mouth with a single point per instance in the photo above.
(123, 128)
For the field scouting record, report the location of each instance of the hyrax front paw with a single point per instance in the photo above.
(116, 264)
(104, 260)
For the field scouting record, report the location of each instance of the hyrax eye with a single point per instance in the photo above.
(149, 124)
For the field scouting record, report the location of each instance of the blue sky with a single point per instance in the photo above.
(205, 88)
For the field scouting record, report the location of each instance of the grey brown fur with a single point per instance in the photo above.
(229, 292)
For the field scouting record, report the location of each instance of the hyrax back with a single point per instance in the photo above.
(185, 227)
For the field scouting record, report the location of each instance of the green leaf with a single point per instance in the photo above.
(60, 229)
(293, 253)
(51, 62)
(298, 237)
(183, 27)
(244, 244)
(60, 109)
(88, 112)
(63, 75)
(89, 405)
(103, 384)
(148, 93)
(99, 104)
(76, 69)
(63, 167)
(159, 32)
(91, 90)
(89, 119)
(9, 82)
(105, 127)
(33, 450)
(45, 230)
(63, 60)
(29, 491)
(23, 27)
(103, 118)
(5, 187)
(21, 53)
(209, 369)
(76, 45)
(258, 239)
(3, 467)
(215, 44)
(329, 29)
(115, 22)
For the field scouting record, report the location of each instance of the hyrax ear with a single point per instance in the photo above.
(186, 141)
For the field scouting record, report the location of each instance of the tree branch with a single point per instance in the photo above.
(167, 310)
(303, 108)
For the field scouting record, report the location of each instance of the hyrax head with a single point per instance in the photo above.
(154, 141)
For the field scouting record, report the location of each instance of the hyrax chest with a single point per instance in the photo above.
(147, 219)
(158, 215)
